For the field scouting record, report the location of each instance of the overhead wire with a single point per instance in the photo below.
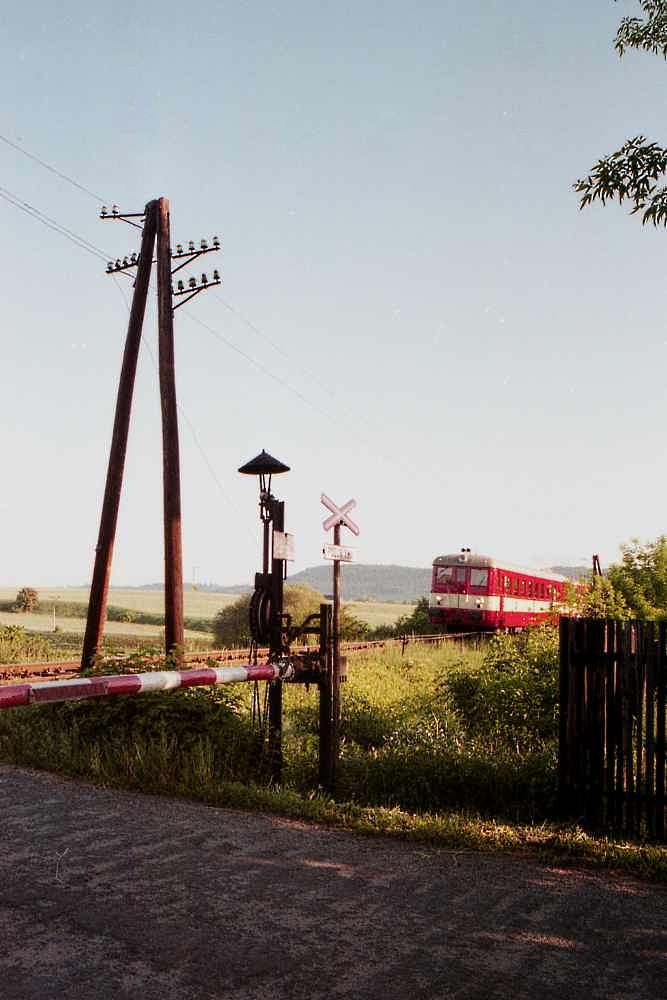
(91, 248)
(51, 168)
(53, 224)
(276, 347)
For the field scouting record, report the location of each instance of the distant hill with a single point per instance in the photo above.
(360, 582)
(376, 583)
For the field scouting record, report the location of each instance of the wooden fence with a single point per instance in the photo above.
(612, 725)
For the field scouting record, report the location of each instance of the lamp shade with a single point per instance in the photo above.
(263, 465)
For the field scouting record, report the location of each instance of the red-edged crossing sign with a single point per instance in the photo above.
(339, 515)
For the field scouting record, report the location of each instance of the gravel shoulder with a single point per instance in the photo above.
(107, 895)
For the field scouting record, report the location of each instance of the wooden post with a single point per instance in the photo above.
(327, 763)
(173, 555)
(335, 692)
(276, 649)
(99, 590)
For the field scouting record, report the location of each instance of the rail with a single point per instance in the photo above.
(66, 669)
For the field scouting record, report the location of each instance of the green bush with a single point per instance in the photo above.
(510, 701)
(19, 646)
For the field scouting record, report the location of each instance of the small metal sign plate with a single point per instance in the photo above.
(338, 553)
(283, 546)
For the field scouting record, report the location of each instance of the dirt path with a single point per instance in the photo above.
(107, 895)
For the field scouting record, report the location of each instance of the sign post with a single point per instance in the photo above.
(339, 517)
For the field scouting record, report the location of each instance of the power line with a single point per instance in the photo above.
(39, 216)
(276, 347)
(262, 368)
(52, 169)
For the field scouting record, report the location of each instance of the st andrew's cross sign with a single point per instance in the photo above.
(339, 515)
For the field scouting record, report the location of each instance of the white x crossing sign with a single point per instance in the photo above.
(339, 515)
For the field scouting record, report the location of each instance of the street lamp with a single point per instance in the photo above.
(265, 466)
(266, 603)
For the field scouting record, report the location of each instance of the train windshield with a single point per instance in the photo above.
(459, 577)
(450, 574)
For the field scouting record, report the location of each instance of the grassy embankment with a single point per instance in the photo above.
(448, 747)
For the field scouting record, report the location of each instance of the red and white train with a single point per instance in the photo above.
(478, 593)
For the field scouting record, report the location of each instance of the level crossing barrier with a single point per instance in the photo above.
(101, 686)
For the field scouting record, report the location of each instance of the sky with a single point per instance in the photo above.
(414, 313)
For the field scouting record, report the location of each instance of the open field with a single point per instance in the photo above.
(44, 623)
(197, 604)
(378, 613)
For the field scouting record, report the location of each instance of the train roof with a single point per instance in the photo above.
(476, 559)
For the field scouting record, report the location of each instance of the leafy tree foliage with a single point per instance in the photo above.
(26, 599)
(641, 577)
(597, 598)
(634, 172)
(417, 621)
(231, 626)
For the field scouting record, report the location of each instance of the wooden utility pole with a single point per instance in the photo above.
(173, 553)
(99, 591)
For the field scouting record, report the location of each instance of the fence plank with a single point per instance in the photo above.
(613, 677)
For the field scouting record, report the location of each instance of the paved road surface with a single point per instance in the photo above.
(107, 895)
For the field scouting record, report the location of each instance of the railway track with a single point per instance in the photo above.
(65, 669)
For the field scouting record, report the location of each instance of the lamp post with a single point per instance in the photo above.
(266, 603)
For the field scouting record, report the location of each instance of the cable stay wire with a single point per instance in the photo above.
(52, 169)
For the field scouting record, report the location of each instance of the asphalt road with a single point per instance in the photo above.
(112, 895)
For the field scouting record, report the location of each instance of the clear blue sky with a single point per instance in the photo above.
(453, 342)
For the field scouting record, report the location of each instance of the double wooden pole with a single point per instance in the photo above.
(156, 223)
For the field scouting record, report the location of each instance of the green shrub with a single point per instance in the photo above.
(512, 699)
(19, 646)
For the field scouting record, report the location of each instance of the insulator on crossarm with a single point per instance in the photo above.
(104, 212)
(110, 267)
(216, 275)
(179, 249)
(191, 246)
(216, 243)
(204, 279)
(204, 245)
(181, 286)
(118, 264)
(192, 283)
(133, 258)
(115, 210)
(126, 262)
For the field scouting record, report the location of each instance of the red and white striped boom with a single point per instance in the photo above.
(42, 692)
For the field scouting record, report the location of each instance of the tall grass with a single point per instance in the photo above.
(432, 730)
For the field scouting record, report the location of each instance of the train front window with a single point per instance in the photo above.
(445, 574)
(479, 578)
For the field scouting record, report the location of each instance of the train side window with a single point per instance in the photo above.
(522, 586)
(530, 588)
(507, 584)
(515, 584)
(479, 577)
